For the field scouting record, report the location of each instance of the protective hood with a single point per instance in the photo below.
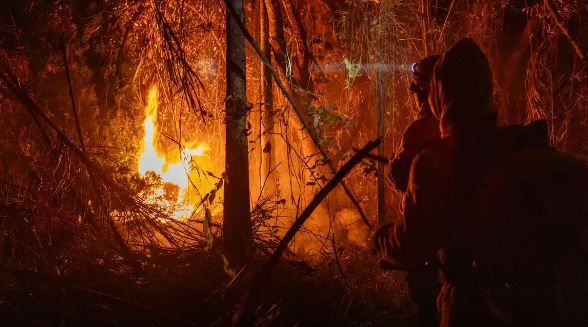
(461, 89)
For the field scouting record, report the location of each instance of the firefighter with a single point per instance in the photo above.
(422, 282)
(423, 131)
(460, 101)
(500, 211)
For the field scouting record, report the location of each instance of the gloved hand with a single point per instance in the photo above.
(383, 247)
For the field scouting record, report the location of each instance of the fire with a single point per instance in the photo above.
(174, 169)
(149, 159)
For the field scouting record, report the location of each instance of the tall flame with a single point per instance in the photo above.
(149, 159)
(173, 170)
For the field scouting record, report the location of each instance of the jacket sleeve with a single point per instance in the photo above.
(416, 237)
(414, 139)
(400, 166)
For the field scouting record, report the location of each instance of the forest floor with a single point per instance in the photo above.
(189, 288)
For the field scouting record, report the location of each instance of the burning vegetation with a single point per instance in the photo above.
(178, 169)
(206, 163)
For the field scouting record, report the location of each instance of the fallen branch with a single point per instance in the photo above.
(242, 317)
(297, 110)
(375, 157)
(318, 198)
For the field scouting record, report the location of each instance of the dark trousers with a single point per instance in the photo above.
(423, 287)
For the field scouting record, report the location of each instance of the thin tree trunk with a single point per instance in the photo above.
(380, 110)
(267, 110)
(380, 166)
(72, 96)
(237, 224)
(513, 82)
(303, 54)
(276, 31)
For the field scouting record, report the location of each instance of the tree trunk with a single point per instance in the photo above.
(267, 110)
(276, 31)
(514, 45)
(303, 54)
(237, 224)
(380, 116)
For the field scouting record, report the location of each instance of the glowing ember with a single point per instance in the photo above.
(173, 171)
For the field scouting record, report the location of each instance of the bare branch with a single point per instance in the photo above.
(558, 21)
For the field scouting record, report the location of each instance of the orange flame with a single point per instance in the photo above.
(174, 172)
(149, 159)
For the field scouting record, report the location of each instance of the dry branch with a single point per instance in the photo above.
(242, 315)
(72, 95)
(179, 71)
(9, 78)
(558, 21)
(319, 197)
